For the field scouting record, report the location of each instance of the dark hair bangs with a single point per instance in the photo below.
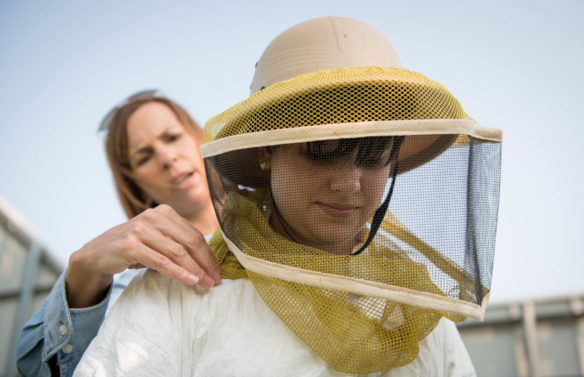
(371, 150)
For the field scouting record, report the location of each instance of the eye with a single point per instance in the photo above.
(374, 163)
(373, 156)
(142, 160)
(325, 151)
(174, 137)
(325, 147)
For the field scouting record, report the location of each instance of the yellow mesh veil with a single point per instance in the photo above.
(432, 254)
(352, 333)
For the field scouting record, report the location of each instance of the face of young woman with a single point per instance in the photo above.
(165, 159)
(323, 204)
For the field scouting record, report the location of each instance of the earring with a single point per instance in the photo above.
(264, 165)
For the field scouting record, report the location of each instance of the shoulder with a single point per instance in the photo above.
(445, 348)
(144, 323)
(152, 298)
(143, 303)
(442, 354)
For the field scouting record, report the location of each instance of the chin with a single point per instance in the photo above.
(199, 193)
(330, 242)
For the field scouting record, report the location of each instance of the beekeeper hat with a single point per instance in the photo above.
(433, 253)
(335, 77)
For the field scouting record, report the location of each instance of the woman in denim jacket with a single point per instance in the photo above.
(152, 146)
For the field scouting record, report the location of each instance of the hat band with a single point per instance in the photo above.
(467, 127)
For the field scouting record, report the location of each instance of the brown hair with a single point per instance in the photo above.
(131, 196)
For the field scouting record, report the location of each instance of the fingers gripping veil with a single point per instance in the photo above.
(360, 199)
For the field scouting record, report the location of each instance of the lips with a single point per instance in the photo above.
(338, 210)
(180, 178)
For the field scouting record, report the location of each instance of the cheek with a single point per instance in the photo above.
(191, 149)
(198, 160)
(146, 173)
(289, 184)
(190, 143)
(280, 185)
(375, 183)
(150, 181)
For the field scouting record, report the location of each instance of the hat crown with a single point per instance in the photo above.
(322, 43)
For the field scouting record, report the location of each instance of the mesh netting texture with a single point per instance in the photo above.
(296, 218)
(329, 97)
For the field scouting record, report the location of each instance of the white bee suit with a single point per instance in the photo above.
(160, 327)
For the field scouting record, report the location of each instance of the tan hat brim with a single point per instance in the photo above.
(339, 103)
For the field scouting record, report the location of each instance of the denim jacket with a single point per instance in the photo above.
(56, 330)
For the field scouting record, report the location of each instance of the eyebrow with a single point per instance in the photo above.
(145, 148)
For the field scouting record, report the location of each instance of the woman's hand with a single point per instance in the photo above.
(158, 238)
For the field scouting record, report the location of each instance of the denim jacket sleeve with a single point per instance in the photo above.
(58, 331)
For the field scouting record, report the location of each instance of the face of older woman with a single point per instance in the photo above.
(323, 204)
(166, 161)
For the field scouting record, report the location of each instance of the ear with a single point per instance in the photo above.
(265, 157)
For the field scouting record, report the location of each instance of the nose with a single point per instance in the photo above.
(167, 156)
(346, 177)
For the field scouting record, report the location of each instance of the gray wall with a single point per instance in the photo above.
(529, 338)
(27, 272)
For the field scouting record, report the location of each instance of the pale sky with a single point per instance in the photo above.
(513, 65)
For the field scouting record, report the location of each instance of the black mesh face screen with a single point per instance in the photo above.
(314, 210)
(451, 205)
